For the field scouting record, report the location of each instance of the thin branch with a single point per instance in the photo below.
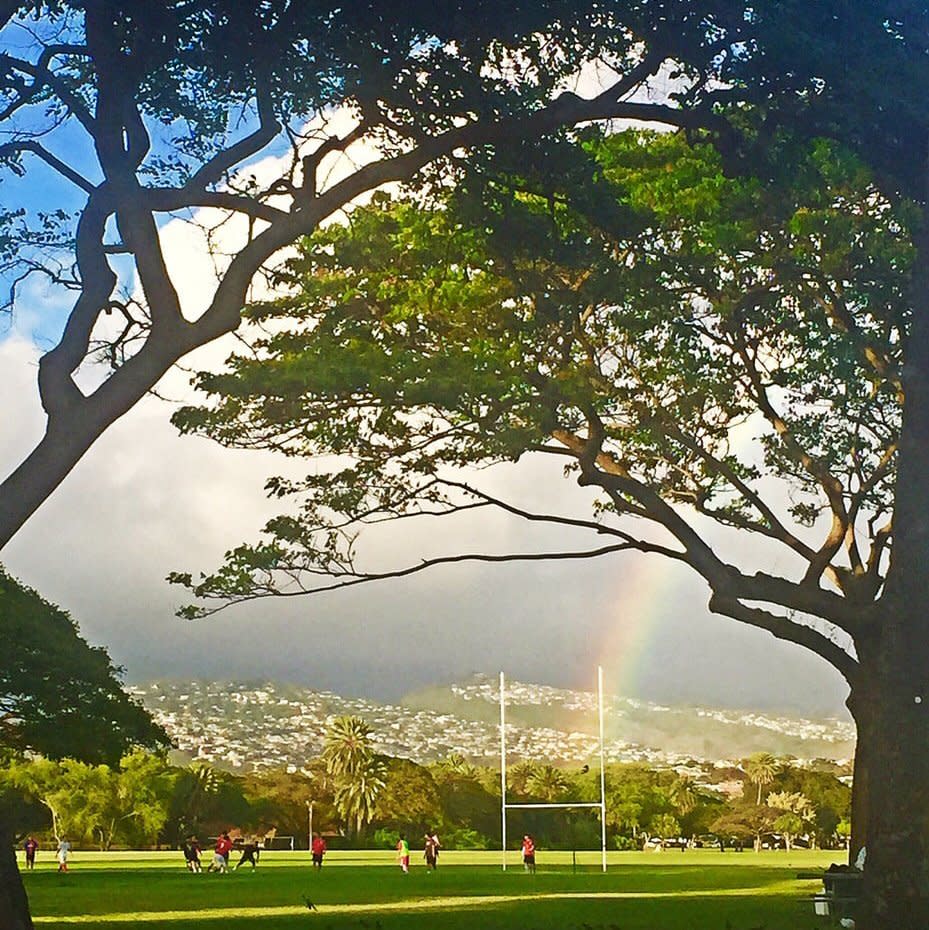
(358, 578)
(773, 528)
(66, 171)
(43, 76)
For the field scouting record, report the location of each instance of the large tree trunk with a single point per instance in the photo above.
(895, 660)
(14, 905)
(894, 794)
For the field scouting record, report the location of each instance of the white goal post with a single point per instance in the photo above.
(601, 804)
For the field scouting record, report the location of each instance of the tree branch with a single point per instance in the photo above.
(788, 630)
(353, 578)
(214, 170)
(66, 171)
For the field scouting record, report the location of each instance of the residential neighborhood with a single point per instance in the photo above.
(249, 726)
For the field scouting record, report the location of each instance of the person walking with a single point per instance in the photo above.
(528, 853)
(403, 853)
(64, 850)
(319, 850)
(31, 845)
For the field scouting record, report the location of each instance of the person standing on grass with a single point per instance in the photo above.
(319, 850)
(249, 851)
(192, 854)
(31, 845)
(528, 853)
(224, 846)
(220, 861)
(403, 853)
(430, 851)
(64, 850)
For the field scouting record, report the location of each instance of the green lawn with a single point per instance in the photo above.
(366, 891)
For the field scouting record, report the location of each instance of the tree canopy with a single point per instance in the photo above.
(136, 114)
(697, 348)
(716, 356)
(60, 696)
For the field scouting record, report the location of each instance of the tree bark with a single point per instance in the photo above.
(895, 739)
(860, 703)
(895, 796)
(14, 905)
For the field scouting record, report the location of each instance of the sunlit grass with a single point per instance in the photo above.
(366, 891)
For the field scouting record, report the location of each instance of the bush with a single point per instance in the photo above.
(625, 843)
(464, 838)
(385, 839)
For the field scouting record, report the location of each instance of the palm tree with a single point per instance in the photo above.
(347, 748)
(195, 789)
(547, 783)
(358, 791)
(761, 769)
(456, 763)
(684, 795)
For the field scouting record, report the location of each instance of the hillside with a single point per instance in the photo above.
(246, 725)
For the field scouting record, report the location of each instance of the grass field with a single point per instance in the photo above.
(366, 891)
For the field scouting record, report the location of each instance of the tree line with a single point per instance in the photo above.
(363, 798)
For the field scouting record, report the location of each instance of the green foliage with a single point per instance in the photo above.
(358, 775)
(58, 695)
(465, 838)
(97, 803)
(718, 338)
(761, 769)
(409, 800)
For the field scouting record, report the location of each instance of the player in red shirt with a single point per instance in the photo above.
(319, 850)
(528, 853)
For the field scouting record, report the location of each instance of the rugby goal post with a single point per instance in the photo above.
(601, 804)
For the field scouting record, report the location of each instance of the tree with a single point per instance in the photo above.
(684, 795)
(409, 801)
(687, 342)
(59, 697)
(195, 788)
(347, 748)
(357, 792)
(99, 803)
(546, 783)
(664, 825)
(745, 820)
(796, 814)
(761, 769)
(278, 800)
(358, 775)
(750, 75)
(140, 112)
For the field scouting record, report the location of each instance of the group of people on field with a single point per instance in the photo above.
(251, 851)
(31, 847)
(431, 847)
